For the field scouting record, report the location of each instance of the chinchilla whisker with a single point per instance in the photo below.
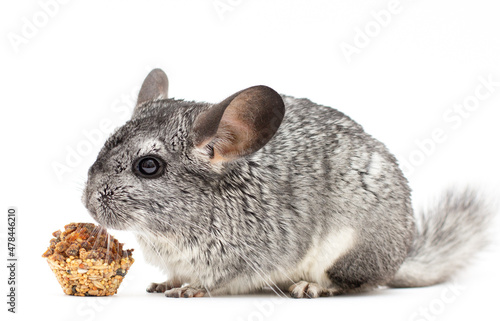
(155, 249)
(236, 252)
(264, 189)
(188, 259)
(107, 246)
(96, 233)
(249, 263)
(254, 268)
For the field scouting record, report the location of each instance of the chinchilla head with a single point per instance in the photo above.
(160, 170)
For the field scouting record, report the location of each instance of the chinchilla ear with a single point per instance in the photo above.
(240, 125)
(155, 86)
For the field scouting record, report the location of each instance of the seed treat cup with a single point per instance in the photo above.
(87, 261)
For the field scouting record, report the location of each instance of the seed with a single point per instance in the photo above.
(121, 272)
(98, 285)
(80, 269)
(93, 292)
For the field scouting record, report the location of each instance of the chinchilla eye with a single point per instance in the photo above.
(148, 167)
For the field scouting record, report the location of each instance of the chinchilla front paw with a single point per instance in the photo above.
(164, 286)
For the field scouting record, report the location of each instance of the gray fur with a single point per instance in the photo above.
(448, 237)
(255, 221)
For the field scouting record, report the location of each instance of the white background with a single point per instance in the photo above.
(70, 73)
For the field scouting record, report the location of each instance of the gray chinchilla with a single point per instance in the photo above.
(266, 190)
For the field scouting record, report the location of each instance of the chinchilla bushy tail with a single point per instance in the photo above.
(447, 239)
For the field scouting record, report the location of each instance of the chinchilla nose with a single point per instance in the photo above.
(86, 199)
(92, 183)
(98, 166)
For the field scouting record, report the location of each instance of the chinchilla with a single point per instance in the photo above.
(266, 190)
